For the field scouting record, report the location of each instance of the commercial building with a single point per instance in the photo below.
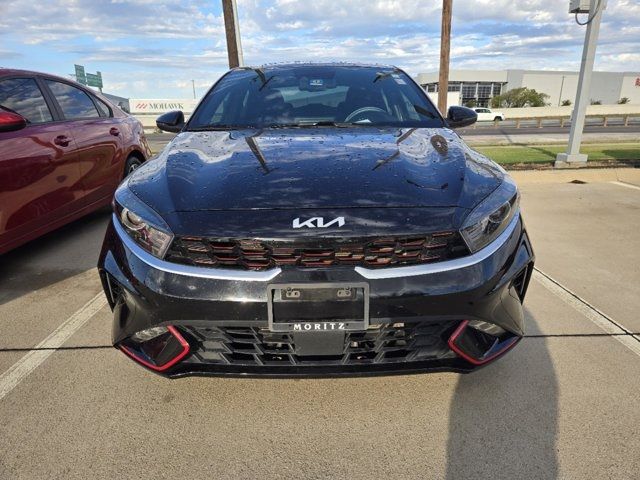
(482, 85)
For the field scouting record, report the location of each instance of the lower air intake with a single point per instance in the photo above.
(253, 346)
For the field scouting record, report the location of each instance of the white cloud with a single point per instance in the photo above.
(162, 44)
(55, 20)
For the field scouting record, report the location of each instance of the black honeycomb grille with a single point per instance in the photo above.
(253, 346)
(370, 253)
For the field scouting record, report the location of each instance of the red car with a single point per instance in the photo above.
(64, 149)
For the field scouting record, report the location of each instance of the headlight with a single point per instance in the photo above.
(489, 219)
(141, 222)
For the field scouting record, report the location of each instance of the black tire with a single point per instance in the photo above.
(497, 119)
(131, 164)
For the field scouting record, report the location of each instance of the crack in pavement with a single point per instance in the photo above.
(611, 328)
(41, 349)
(109, 347)
(577, 335)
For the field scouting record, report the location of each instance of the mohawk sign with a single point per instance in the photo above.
(161, 105)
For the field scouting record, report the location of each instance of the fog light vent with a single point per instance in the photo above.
(158, 348)
(148, 334)
(480, 342)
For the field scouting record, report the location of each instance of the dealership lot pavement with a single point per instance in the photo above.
(563, 404)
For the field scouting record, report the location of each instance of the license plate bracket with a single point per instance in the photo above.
(318, 307)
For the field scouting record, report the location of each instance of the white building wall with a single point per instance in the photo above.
(498, 76)
(607, 87)
(631, 87)
(552, 85)
(453, 98)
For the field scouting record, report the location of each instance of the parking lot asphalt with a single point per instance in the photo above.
(563, 404)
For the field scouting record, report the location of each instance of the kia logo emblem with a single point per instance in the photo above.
(318, 222)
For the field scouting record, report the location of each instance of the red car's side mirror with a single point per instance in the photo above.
(10, 121)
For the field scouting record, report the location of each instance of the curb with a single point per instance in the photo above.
(581, 175)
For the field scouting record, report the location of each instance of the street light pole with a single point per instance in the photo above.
(232, 30)
(445, 48)
(573, 154)
(193, 84)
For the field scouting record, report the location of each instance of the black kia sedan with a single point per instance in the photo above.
(316, 220)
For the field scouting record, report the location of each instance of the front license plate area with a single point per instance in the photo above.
(318, 307)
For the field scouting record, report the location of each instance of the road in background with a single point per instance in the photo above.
(563, 404)
(490, 129)
(489, 135)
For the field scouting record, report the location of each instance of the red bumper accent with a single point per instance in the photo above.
(508, 344)
(170, 363)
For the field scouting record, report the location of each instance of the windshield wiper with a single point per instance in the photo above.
(326, 123)
(211, 128)
(322, 123)
(424, 111)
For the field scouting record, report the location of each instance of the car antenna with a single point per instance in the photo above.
(381, 75)
(260, 73)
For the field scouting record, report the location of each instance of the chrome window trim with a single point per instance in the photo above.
(267, 275)
(448, 265)
(189, 270)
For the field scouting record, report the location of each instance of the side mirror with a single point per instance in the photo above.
(458, 117)
(10, 121)
(172, 121)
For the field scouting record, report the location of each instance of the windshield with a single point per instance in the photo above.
(315, 96)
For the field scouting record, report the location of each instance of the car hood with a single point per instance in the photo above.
(315, 168)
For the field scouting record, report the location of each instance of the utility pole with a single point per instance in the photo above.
(561, 89)
(232, 30)
(573, 154)
(193, 84)
(445, 48)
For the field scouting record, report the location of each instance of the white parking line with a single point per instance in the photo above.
(603, 321)
(627, 185)
(27, 364)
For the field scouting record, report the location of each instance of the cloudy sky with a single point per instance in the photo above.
(154, 48)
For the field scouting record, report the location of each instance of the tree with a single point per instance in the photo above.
(520, 97)
(623, 101)
(566, 103)
(596, 102)
(470, 103)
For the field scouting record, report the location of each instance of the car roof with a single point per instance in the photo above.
(319, 64)
(12, 71)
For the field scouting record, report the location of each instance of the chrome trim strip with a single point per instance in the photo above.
(267, 275)
(414, 270)
(189, 270)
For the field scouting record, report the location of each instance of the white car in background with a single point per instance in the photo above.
(484, 114)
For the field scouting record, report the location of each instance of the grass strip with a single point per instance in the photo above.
(547, 153)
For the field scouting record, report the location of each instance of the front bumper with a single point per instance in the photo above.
(414, 312)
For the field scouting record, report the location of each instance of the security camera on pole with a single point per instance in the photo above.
(594, 9)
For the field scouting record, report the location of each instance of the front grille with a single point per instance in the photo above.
(253, 346)
(370, 252)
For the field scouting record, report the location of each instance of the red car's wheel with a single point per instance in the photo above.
(131, 164)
